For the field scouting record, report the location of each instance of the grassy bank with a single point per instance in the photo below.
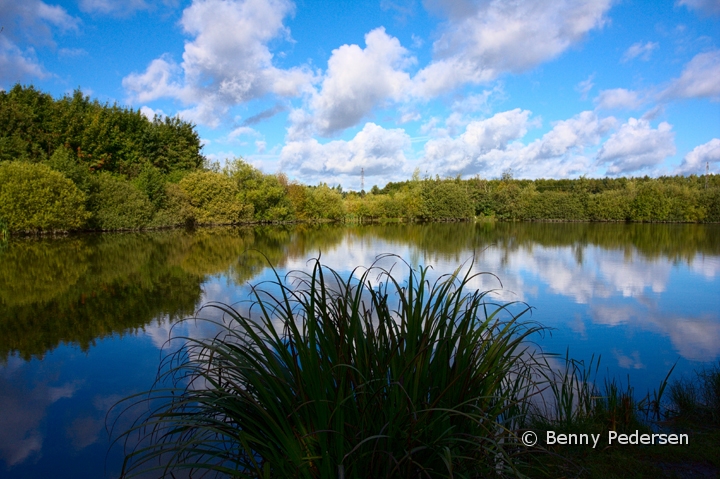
(387, 375)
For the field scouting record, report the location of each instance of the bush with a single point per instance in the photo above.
(117, 205)
(266, 193)
(446, 200)
(214, 198)
(151, 182)
(323, 203)
(651, 203)
(610, 205)
(34, 198)
(176, 209)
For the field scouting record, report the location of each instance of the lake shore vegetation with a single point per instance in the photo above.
(74, 164)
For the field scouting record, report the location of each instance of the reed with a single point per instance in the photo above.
(697, 399)
(322, 378)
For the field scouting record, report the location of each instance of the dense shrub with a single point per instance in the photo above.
(650, 203)
(551, 205)
(176, 209)
(446, 200)
(710, 199)
(151, 182)
(297, 195)
(266, 193)
(610, 205)
(117, 205)
(323, 203)
(35, 198)
(214, 198)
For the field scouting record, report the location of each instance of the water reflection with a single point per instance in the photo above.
(20, 435)
(83, 318)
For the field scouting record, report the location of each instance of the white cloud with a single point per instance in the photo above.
(158, 80)
(149, 113)
(357, 80)
(31, 22)
(694, 162)
(618, 98)
(465, 152)
(700, 78)
(707, 7)
(228, 61)
(481, 40)
(638, 50)
(113, 7)
(72, 52)
(585, 86)
(376, 149)
(636, 146)
(488, 147)
(16, 64)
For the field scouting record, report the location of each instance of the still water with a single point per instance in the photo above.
(84, 320)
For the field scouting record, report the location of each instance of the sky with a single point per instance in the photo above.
(342, 92)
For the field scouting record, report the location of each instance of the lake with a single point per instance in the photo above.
(84, 319)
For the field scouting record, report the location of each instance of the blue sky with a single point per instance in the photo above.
(323, 89)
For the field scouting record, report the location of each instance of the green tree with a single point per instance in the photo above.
(65, 161)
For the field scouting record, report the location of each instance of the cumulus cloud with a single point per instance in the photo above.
(30, 22)
(695, 161)
(228, 61)
(489, 146)
(374, 148)
(618, 98)
(636, 146)
(707, 7)
(160, 79)
(699, 79)
(466, 152)
(481, 40)
(638, 50)
(357, 80)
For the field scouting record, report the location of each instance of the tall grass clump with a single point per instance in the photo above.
(576, 402)
(331, 377)
(697, 399)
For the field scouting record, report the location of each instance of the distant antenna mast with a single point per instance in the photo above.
(362, 179)
(707, 172)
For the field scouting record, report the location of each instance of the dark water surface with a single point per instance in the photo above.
(83, 319)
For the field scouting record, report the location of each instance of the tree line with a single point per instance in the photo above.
(76, 164)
